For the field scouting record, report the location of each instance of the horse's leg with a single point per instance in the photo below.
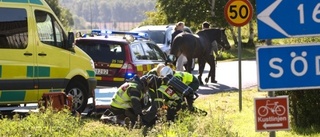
(179, 63)
(189, 64)
(211, 60)
(201, 63)
(209, 75)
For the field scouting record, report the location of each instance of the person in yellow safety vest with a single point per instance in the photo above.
(186, 77)
(127, 100)
(161, 95)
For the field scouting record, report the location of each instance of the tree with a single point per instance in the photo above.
(64, 15)
(194, 12)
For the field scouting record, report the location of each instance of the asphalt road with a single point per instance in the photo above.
(227, 75)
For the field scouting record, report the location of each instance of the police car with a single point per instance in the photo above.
(118, 56)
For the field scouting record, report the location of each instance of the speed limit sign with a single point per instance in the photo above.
(238, 12)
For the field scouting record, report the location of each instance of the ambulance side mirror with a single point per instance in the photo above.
(70, 40)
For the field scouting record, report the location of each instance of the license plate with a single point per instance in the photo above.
(101, 71)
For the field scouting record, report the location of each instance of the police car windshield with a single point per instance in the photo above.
(101, 51)
(158, 36)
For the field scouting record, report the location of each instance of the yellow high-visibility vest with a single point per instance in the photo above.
(121, 99)
(187, 78)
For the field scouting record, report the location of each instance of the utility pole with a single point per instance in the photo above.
(91, 14)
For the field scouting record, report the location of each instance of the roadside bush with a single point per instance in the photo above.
(304, 107)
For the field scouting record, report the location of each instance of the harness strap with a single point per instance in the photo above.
(158, 99)
(134, 97)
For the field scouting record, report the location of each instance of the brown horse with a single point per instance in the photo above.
(199, 46)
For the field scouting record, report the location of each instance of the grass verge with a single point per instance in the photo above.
(232, 54)
(223, 120)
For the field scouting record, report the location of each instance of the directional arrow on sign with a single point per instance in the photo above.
(264, 16)
(287, 18)
(265, 125)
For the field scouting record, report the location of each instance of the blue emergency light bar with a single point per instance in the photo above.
(99, 32)
(136, 35)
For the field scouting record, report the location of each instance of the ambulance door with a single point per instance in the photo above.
(17, 57)
(52, 57)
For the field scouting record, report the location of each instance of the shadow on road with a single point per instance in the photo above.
(212, 88)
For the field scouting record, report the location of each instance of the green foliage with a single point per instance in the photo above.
(63, 14)
(223, 120)
(232, 54)
(304, 107)
(154, 18)
(192, 12)
(58, 124)
(40, 124)
(295, 40)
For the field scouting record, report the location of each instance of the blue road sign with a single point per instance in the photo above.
(288, 67)
(288, 18)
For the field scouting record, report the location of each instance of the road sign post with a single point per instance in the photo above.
(272, 113)
(271, 93)
(238, 13)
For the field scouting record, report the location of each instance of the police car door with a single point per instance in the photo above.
(155, 54)
(152, 55)
(16, 56)
(52, 57)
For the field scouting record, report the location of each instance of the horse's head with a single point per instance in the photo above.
(224, 39)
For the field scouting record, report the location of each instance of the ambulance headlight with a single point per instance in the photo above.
(92, 63)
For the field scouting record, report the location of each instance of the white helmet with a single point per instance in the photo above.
(159, 67)
(166, 71)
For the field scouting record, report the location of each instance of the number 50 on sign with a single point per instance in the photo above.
(238, 12)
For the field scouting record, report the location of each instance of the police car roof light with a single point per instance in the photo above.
(99, 32)
(136, 35)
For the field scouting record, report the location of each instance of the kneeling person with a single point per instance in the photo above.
(127, 100)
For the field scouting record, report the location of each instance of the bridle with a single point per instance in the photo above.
(222, 39)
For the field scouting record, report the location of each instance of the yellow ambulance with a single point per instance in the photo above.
(38, 56)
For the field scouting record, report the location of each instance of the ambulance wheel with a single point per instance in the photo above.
(79, 96)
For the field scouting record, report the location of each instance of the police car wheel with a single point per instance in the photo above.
(79, 96)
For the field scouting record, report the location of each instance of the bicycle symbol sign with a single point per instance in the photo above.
(272, 113)
(276, 109)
